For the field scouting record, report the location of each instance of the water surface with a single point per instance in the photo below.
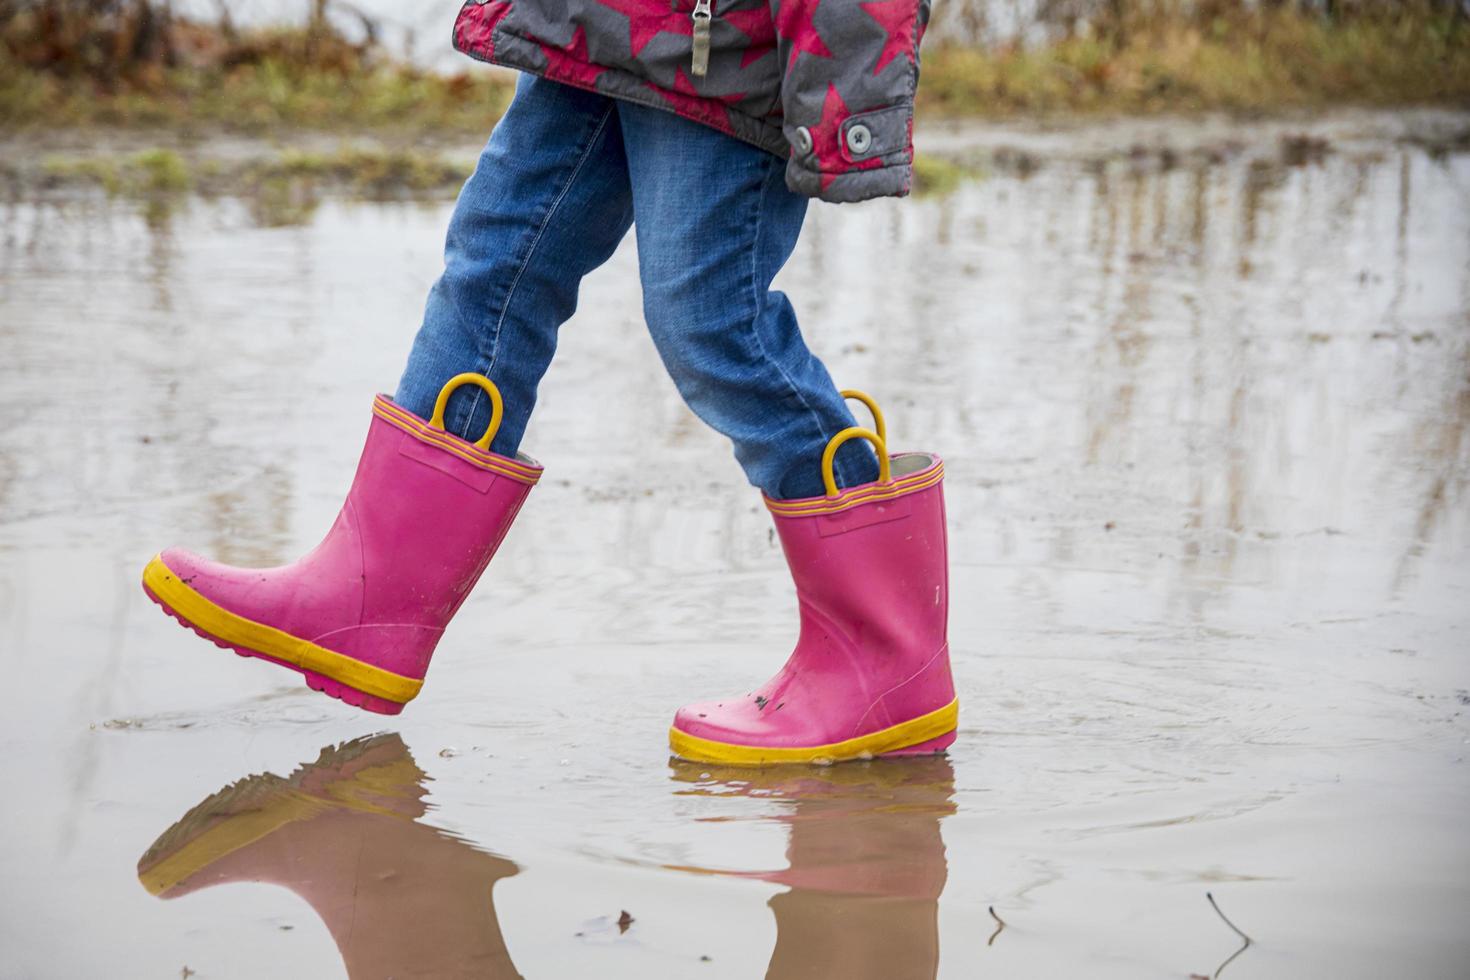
(1207, 427)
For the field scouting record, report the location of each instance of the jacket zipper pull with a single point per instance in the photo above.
(702, 16)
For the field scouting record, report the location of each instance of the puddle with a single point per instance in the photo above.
(1206, 420)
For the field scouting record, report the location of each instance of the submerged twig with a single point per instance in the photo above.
(1234, 928)
(1245, 940)
(1231, 958)
(1000, 925)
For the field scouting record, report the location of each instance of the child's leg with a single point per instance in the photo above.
(715, 223)
(361, 614)
(548, 203)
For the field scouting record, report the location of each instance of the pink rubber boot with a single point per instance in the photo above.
(870, 674)
(360, 614)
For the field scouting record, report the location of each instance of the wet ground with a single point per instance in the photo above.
(1207, 424)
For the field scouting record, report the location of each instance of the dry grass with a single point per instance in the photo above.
(1258, 60)
(259, 97)
(74, 63)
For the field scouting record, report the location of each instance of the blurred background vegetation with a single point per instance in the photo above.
(322, 65)
(330, 64)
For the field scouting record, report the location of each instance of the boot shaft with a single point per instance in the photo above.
(872, 563)
(430, 509)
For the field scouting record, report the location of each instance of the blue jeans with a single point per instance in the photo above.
(563, 176)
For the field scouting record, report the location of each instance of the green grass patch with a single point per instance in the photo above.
(287, 184)
(937, 176)
(151, 172)
(366, 170)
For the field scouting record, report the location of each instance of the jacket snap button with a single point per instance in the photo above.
(859, 138)
(802, 139)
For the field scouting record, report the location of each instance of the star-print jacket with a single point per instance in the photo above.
(827, 85)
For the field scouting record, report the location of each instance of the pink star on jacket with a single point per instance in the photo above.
(897, 18)
(476, 26)
(827, 136)
(756, 25)
(572, 63)
(647, 21)
(794, 23)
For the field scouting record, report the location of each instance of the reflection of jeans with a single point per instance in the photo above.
(563, 176)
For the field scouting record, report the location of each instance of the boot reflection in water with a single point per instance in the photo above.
(400, 898)
(865, 859)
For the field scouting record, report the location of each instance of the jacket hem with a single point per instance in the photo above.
(851, 186)
(510, 50)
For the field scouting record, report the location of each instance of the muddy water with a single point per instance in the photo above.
(1207, 423)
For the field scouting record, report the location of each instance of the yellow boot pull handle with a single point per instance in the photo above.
(885, 470)
(879, 425)
(497, 405)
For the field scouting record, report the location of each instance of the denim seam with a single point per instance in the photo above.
(755, 290)
(526, 261)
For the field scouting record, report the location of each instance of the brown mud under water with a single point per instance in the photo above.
(1206, 419)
